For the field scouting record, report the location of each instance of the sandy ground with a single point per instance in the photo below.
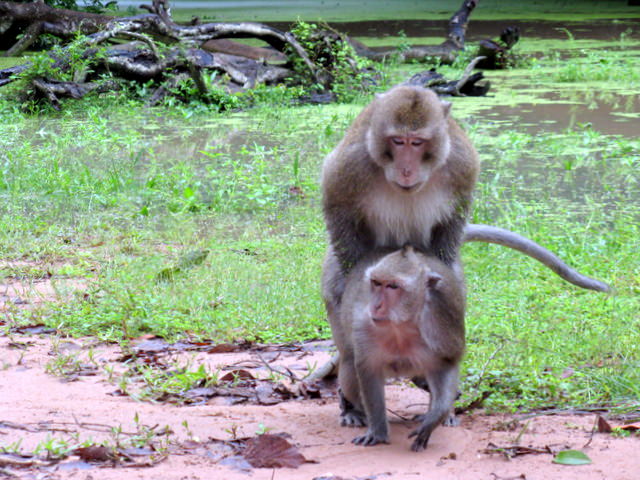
(48, 406)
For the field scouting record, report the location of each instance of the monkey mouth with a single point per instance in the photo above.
(380, 321)
(409, 188)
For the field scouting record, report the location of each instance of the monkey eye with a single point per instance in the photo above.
(393, 286)
(417, 142)
(375, 283)
(397, 141)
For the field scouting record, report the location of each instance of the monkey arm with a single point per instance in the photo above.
(350, 239)
(446, 238)
(443, 385)
(372, 395)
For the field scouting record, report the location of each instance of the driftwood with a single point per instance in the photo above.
(497, 54)
(140, 59)
(446, 52)
(194, 51)
(31, 20)
(467, 85)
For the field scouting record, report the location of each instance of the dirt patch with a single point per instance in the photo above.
(36, 406)
(18, 291)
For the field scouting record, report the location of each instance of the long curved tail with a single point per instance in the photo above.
(490, 234)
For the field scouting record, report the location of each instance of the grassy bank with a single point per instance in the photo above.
(105, 198)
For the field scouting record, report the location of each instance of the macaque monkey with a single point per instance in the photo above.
(404, 174)
(402, 314)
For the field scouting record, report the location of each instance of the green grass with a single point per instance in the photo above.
(112, 193)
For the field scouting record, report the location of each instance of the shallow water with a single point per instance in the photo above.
(610, 113)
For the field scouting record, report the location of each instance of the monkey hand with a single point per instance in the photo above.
(422, 435)
(371, 438)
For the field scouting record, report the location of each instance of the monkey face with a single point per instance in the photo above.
(411, 161)
(408, 136)
(394, 299)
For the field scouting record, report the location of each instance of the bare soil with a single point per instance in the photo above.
(36, 405)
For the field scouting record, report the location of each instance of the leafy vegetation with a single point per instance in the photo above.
(348, 74)
(111, 194)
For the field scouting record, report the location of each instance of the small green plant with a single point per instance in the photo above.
(346, 74)
(620, 432)
(404, 45)
(68, 63)
(568, 33)
(13, 447)
(233, 430)
(94, 6)
(262, 429)
(54, 448)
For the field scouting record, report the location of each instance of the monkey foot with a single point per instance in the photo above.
(369, 439)
(353, 418)
(450, 420)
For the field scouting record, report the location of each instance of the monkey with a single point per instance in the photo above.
(402, 315)
(472, 232)
(404, 174)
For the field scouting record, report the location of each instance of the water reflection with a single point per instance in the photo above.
(608, 113)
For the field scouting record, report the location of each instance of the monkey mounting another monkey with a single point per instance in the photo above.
(404, 174)
(402, 314)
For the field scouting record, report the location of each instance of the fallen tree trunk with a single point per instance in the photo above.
(446, 52)
(29, 21)
(170, 54)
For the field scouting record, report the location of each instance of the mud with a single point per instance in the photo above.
(36, 406)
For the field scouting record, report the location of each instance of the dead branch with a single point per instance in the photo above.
(446, 52)
(184, 52)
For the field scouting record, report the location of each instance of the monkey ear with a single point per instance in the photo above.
(432, 280)
(446, 107)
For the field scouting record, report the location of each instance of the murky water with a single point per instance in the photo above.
(611, 114)
(541, 112)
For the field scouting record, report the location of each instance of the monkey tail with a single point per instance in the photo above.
(490, 234)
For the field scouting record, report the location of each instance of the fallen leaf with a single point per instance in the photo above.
(603, 426)
(94, 453)
(237, 376)
(571, 457)
(38, 329)
(272, 451)
(631, 427)
(153, 345)
(224, 348)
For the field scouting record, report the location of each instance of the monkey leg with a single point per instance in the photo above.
(451, 420)
(351, 411)
(444, 390)
(372, 394)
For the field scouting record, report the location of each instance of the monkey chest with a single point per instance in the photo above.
(396, 218)
(402, 351)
